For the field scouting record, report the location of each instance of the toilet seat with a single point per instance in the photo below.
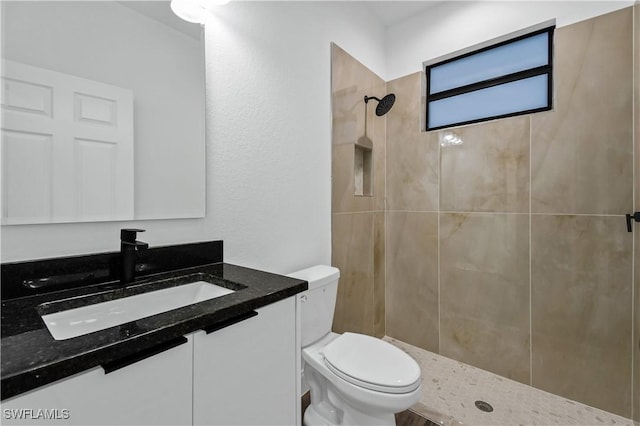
(372, 364)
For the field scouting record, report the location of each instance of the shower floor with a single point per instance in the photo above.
(450, 389)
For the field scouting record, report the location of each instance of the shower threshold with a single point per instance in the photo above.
(455, 394)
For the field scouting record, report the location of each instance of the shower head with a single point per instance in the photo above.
(384, 104)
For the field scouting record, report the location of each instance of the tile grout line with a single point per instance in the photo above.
(634, 125)
(530, 256)
(384, 225)
(504, 213)
(438, 241)
(373, 273)
(384, 217)
(372, 233)
(358, 212)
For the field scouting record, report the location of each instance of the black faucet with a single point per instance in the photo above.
(128, 247)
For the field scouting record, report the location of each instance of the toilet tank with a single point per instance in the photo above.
(318, 302)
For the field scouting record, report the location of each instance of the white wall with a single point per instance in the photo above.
(456, 25)
(268, 140)
(270, 124)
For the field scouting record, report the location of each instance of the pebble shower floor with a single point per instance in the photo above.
(450, 390)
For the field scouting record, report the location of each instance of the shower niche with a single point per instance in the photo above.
(363, 167)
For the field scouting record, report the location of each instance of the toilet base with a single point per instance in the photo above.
(312, 417)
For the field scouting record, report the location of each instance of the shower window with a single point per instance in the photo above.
(505, 79)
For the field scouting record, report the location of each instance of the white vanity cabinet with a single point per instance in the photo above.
(244, 374)
(153, 391)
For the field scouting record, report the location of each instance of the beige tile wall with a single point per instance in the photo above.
(510, 251)
(581, 309)
(412, 278)
(484, 291)
(358, 232)
(379, 274)
(412, 155)
(489, 172)
(592, 110)
(582, 165)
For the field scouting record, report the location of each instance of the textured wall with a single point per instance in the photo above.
(510, 252)
(358, 232)
(268, 106)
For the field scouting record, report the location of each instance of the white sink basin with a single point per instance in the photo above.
(87, 319)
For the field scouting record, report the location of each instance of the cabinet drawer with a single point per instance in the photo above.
(151, 391)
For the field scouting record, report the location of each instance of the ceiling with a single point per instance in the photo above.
(388, 12)
(160, 11)
(391, 12)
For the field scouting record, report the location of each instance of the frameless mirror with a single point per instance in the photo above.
(102, 112)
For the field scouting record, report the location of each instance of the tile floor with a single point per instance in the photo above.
(450, 389)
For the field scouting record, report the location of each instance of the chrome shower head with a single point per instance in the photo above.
(384, 104)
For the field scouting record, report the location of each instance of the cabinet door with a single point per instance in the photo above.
(246, 373)
(154, 391)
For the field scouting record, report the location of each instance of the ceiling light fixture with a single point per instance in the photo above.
(194, 10)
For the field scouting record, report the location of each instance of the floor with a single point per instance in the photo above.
(451, 389)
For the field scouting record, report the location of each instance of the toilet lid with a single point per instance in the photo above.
(372, 363)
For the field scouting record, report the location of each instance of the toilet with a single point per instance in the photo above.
(354, 379)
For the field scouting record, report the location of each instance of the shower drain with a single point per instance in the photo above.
(484, 406)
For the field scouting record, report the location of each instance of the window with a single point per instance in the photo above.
(509, 78)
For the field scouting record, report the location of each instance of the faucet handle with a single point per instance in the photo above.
(129, 235)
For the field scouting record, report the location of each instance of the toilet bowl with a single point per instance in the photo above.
(354, 379)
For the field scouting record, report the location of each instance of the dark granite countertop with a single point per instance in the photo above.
(32, 358)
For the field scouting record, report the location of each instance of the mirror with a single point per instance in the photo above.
(102, 112)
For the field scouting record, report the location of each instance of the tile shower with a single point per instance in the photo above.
(509, 251)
